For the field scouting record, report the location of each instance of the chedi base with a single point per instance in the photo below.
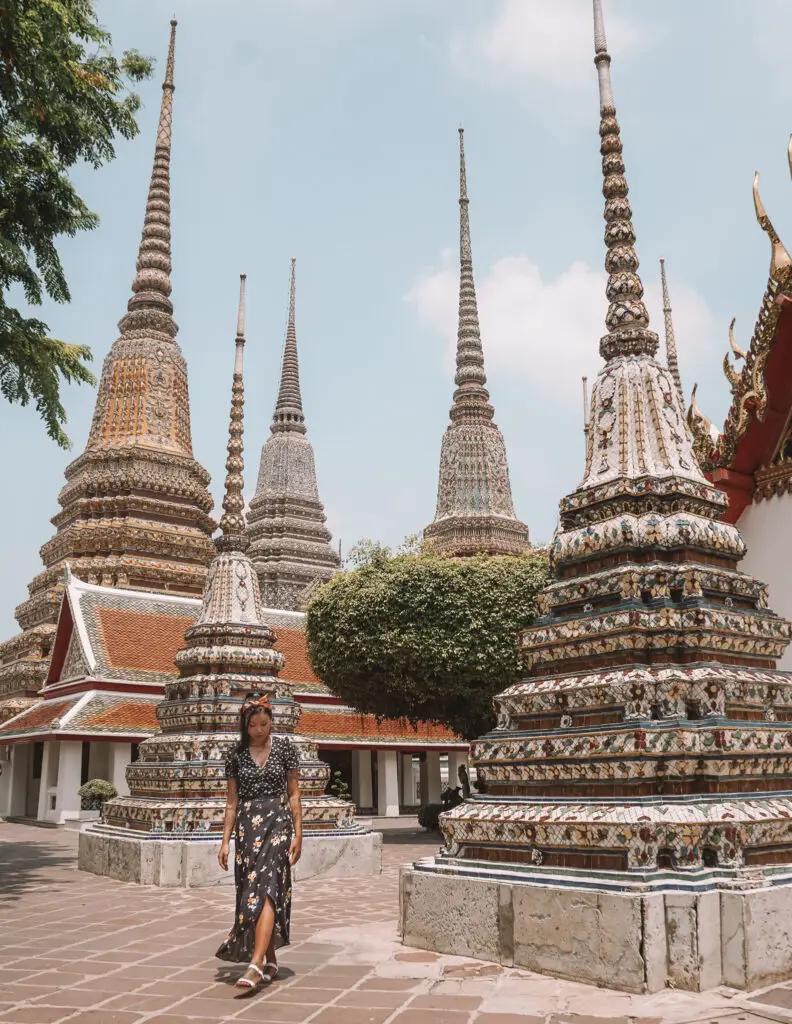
(190, 862)
(632, 941)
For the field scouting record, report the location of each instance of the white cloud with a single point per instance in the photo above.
(543, 41)
(548, 332)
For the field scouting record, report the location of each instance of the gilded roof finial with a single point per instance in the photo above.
(702, 430)
(731, 376)
(780, 261)
(150, 306)
(232, 522)
(627, 319)
(471, 399)
(671, 352)
(289, 414)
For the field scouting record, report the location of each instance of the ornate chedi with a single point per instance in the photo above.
(135, 506)
(649, 748)
(289, 542)
(177, 786)
(474, 511)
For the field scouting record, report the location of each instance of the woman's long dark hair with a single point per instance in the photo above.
(245, 715)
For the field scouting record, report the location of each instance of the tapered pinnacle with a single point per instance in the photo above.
(289, 414)
(150, 307)
(232, 522)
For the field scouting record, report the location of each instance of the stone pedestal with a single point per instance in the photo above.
(189, 863)
(628, 940)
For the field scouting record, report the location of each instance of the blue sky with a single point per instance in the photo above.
(327, 130)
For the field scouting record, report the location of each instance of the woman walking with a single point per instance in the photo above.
(263, 803)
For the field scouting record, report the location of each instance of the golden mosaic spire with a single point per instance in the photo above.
(135, 506)
(150, 307)
(143, 398)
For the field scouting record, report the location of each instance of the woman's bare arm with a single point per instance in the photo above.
(295, 805)
(232, 800)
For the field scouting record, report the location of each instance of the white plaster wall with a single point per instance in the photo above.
(766, 528)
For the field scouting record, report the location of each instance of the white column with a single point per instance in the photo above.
(14, 782)
(361, 776)
(49, 776)
(455, 759)
(408, 781)
(387, 784)
(119, 755)
(67, 806)
(433, 785)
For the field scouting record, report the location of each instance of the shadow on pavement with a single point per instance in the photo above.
(22, 866)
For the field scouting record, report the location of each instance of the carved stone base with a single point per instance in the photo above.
(630, 941)
(189, 863)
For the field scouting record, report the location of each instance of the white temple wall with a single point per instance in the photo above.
(765, 528)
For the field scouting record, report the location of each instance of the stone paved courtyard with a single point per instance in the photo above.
(80, 948)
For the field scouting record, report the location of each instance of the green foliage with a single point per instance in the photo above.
(429, 815)
(94, 793)
(368, 552)
(63, 101)
(425, 638)
(339, 788)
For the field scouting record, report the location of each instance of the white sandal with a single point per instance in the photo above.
(246, 981)
(267, 966)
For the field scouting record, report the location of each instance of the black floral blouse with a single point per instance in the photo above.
(255, 781)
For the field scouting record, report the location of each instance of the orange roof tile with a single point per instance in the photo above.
(41, 715)
(291, 643)
(143, 641)
(351, 725)
(129, 714)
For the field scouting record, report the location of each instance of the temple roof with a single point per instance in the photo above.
(100, 664)
(750, 457)
(100, 631)
(91, 714)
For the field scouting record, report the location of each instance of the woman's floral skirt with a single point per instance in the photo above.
(262, 871)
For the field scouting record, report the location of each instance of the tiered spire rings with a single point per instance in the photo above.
(474, 510)
(232, 523)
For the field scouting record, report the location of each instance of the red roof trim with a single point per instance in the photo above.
(758, 444)
(63, 633)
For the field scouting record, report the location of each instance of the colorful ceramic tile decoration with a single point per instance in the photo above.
(651, 738)
(178, 784)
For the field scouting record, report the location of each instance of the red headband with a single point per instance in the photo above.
(257, 702)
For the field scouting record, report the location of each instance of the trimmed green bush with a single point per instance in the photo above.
(94, 793)
(426, 638)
